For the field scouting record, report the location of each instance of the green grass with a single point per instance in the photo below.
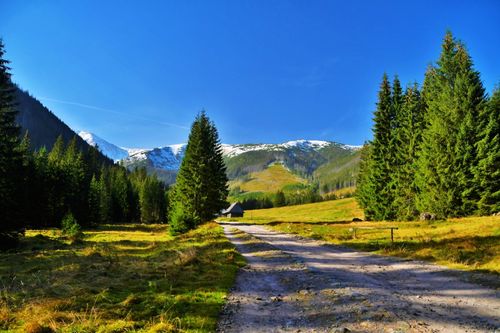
(120, 278)
(471, 244)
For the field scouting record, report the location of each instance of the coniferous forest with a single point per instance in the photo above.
(69, 187)
(435, 149)
(40, 189)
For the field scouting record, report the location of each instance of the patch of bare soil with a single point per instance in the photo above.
(293, 284)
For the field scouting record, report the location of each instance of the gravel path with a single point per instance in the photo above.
(293, 284)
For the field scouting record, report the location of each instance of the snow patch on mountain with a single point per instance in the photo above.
(352, 147)
(305, 145)
(110, 150)
(170, 157)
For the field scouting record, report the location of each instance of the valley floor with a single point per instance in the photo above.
(293, 284)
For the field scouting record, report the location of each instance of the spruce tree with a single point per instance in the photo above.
(105, 197)
(10, 157)
(487, 172)
(453, 95)
(381, 156)
(94, 202)
(407, 137)
(201, 185)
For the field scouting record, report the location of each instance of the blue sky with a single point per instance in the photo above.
(137, 72)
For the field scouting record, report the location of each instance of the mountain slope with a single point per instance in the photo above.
(41, 124)
(271, 179)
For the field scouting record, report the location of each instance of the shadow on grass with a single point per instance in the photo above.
(144, 281)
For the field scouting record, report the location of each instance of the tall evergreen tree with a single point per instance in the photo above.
(201, 185)
(10, 157)
(407, 137)
(94, 202)
(381, 156)
(487, 172)
(453, 95)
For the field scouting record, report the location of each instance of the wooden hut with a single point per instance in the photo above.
(235, 210)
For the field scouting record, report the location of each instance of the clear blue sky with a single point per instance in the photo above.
(137, 72)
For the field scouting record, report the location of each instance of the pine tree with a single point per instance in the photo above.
(94, 206)
(76, 189)
(57, 152)
(453, 95)
(279, 199)
(407, 137)
(381, 155)
(10, 158)
(105, 197)
(487, 173)
(201, 185)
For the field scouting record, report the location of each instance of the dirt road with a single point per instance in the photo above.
(297, 285)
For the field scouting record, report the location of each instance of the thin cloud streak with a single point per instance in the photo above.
(92, 107)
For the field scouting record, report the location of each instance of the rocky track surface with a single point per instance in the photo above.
(293, 284)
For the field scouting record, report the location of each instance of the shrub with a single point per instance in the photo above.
(181, 221)
(70, 227)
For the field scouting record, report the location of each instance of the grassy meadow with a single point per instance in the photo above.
(119, 278)
(471, 243)
(271, 179)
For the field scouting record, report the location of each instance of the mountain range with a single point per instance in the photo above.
(255, 167)
(331, 164)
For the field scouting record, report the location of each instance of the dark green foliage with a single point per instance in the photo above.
(407, 137)
(70, 227)
(290, 195)
(453, 98)
(181, 220)
(279, 199)
(487, 173)
(11, 159)
(439, 153)
(377, 195)
(201, 188)
(94, 210)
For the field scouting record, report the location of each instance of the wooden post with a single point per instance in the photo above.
(392, 235)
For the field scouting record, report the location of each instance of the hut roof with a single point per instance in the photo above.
(234, 208)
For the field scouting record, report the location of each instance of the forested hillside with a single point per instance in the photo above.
(292, 173)
(42, 125)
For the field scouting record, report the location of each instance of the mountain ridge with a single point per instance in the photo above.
(302, 157)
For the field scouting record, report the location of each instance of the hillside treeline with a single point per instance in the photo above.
(39, 189)
(435, 149)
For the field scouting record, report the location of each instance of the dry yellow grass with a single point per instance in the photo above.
(346, 191)
(120, 278)
(272, 179)
(326, 211)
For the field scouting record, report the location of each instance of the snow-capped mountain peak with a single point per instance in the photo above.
(165, 158)
(169, 157)
(110, 150)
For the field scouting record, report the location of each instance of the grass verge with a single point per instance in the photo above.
(120, 278)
